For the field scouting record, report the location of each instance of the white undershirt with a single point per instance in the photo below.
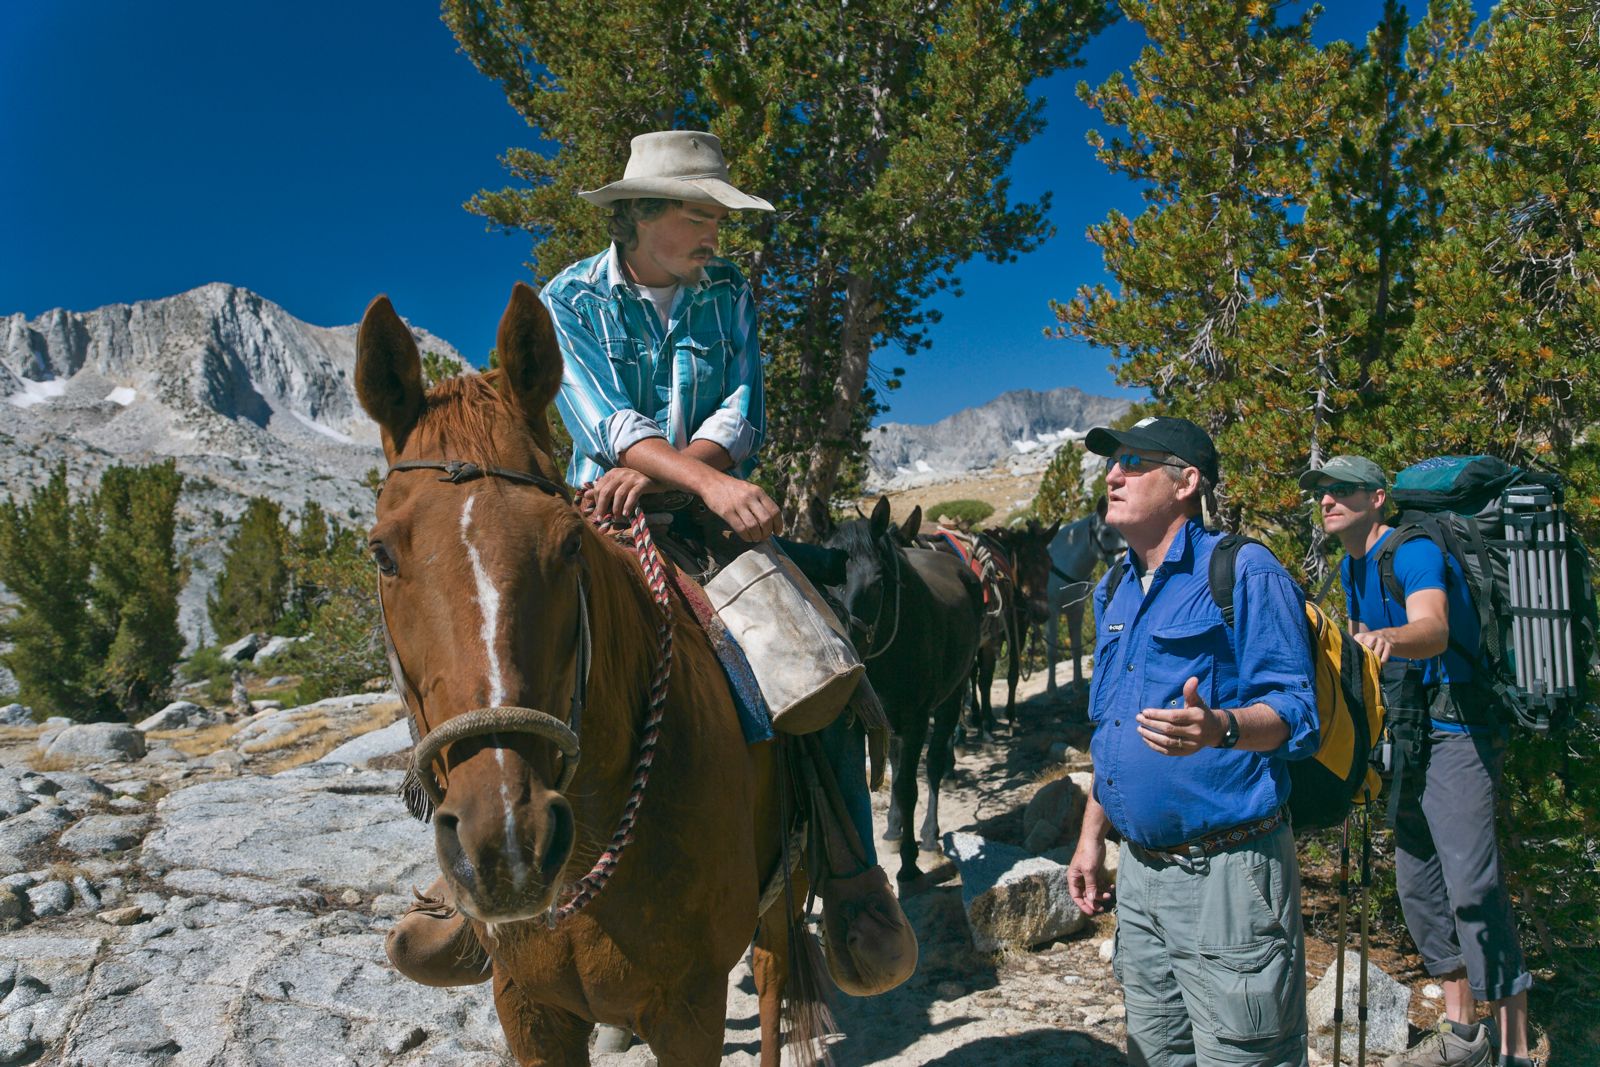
(662, 297)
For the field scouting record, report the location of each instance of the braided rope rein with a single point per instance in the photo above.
(589, 886)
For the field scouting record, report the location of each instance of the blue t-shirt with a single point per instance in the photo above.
(1418, 565)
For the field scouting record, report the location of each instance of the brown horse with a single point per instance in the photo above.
(485, 574)
(1013, 562)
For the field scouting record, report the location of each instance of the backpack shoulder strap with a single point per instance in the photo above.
(1113, 580)
(1224, 563)
(1404, 533)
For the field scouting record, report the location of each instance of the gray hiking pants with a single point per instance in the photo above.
(1211, 956)
(1447, 867)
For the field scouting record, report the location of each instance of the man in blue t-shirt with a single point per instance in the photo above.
(1447, 861)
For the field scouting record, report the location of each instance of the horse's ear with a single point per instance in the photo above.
(880, 518)
(1100, 505)
(820, 517)
(388, 373)
(1055, 528)
(913, 523)
(530, 358)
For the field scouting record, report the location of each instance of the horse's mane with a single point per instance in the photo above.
(460, 416)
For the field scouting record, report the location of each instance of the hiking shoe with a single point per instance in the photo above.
(1451, 1045)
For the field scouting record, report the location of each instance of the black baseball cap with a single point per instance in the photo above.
(1160, 433)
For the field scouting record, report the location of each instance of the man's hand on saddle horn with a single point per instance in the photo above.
(747, 510)
(617, 493)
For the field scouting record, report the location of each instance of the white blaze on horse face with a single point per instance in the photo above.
(488, 604)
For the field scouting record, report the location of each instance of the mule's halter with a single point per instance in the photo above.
(421, 789)
(869, 653)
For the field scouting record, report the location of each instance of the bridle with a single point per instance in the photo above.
(421, 790)
(869, 653)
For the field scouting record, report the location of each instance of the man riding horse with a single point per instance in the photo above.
(662, 391)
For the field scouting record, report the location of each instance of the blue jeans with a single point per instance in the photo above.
(842, 742)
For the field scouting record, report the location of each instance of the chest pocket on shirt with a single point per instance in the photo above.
(628, 358)
(1105, 658)
(1180, 651)
(704, 363)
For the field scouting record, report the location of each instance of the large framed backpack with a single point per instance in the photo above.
(1529, 577)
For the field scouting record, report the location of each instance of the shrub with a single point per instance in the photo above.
(966, 512)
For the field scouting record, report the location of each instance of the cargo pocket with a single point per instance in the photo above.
(1250, 988)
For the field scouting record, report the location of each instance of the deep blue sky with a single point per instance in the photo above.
(319, 154)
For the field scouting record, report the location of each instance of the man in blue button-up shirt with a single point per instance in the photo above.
(1194, 721)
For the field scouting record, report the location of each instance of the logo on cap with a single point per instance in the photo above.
(1146, 421)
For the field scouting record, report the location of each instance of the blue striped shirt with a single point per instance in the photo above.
(628, 378)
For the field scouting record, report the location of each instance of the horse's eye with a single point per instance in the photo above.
(385, 562)
(572, 546)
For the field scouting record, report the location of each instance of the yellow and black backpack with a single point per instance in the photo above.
(1349, 693)
(1349, 708)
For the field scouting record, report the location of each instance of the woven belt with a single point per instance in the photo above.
(1222, 840)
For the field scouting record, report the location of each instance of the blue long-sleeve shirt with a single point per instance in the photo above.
(628, 378)
(1148, 644)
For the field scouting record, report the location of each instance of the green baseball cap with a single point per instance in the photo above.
(1357, 469)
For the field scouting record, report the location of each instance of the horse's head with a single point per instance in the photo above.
(1029, 548)
(480, 584)
(1107, 541)
(872, 578)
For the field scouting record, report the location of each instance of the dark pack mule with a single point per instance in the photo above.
(1020, 575)
(491, 582)
(914, 616)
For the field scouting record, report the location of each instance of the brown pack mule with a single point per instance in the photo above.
(480, 586)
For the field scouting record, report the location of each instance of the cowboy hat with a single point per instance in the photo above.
(676, 165)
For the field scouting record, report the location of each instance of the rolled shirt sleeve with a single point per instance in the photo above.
(592, 402)
(1274, 653)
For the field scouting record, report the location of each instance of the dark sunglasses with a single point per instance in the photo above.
(1340, 490)
(1137, 464)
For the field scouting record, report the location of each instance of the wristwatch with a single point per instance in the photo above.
(1230, 735)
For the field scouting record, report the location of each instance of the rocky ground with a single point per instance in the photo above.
(216, 893)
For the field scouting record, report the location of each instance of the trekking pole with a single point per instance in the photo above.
(1366, 896)
(1338, 962)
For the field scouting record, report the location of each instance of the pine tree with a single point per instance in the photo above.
(136, 582)
(307, 546)
(1218, 114)
(883, 132)
(1504, 355)
(1061, 496)
(252, 587)
(47, 549)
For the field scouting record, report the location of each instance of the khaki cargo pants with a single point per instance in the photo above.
(1211, 956)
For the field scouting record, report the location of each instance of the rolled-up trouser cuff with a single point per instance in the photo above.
(1520, 984)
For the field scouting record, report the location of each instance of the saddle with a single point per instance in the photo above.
(696, 545)
(987, 565)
